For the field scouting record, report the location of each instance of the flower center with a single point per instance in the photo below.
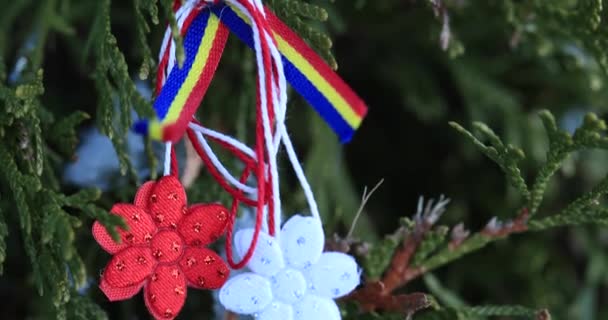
(167, 246)
(288, 285)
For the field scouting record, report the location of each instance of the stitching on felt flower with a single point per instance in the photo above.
(293, 279)
(163, 250)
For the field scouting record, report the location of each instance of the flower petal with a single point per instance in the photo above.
(102, 236)
(276, 311)
(334, 275)
(267, 258)
(247, 293)
(167, 202)
(203, 224)
(129, 267)
(289, 285)
(116, 294)
(165, 293)
(302, 240)
(140, 230)
(143, 194)
(314, 307)
(204, 268)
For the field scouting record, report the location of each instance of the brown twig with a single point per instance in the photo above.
(543, 315)
(378, 295)
(369, 299)
(499, 229)
(399, 272)
(229, 315)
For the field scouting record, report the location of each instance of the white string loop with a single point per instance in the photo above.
(167, 163)
(279, 104)
(268, 137)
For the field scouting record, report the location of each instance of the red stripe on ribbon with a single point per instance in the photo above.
(321, 66)
(174, 132)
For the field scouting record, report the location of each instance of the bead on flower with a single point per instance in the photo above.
(163, 249)
(292, 278)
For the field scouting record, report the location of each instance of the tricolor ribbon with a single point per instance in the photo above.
(281, 57)
(205, 31)
(185, 86)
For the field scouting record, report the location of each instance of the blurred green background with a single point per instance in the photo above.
(418, 65)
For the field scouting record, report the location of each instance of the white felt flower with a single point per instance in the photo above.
(291, 279)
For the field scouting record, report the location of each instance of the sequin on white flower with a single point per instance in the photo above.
(295, 280)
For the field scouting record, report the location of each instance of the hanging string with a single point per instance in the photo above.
(256, 233)
(174, 163)
(170, 164)
(262, 42)
(278, 84)
(281, 134)
(216, 135)
(234, 192)
(167, 163)
(238, 197)
(271, 102)
(220, 167)
(217, 175)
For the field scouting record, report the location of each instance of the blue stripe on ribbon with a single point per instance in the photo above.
(296, 78)
(178, 75)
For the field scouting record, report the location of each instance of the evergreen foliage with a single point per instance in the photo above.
(67, 64)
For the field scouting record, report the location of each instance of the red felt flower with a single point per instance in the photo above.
(163, 250)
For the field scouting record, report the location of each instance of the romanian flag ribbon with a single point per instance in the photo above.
(204, 42)
(186, 86)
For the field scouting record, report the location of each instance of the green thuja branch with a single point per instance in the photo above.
(559, 23)
(507, 157)
(293, 11)
(424, 247)
(112, 79)
(447, 254)
(477, 312)
(561, 145)
(3, 236)
(47, 228)
(167, 6)
(47, 220)
(433, 240)
(83, 308)
(142, 28)
(443, 294)
(585, 209)
(62, 134)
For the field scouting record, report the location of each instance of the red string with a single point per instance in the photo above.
(257, 166)
(268, 70)
(249, 163)
(177, 4)
(261, 155)
(237, 195)
(256, 232)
